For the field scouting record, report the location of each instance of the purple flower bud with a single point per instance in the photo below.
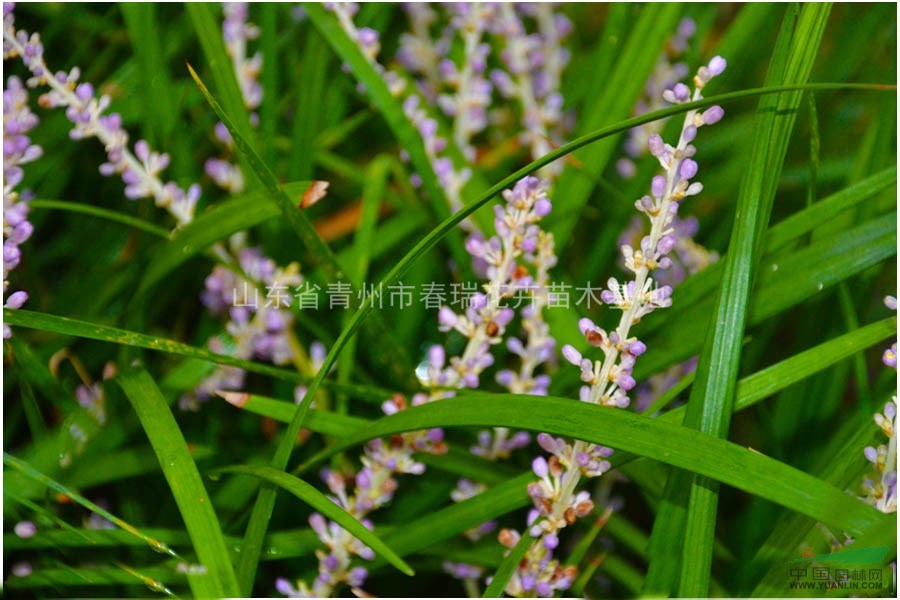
(889, 358)
(585, 325)
(528, 582)
(551, 541)
(16, 299)
(25, 529)
(284, 587)
(687, 169)
(478, 301)
(443, 168)
(626, 168)
(713, 114)
(504, 317)
(428, 128)
(572, 355)
(84, 92)
(716, 66)
(681, 92)
(658, 186)
(656, 145)
(637, 347)
(686, 28)
(666, 244)
(542, 207)
(584, 394)
(436, 356)
(367, 36)
(475, 246)
(519, 440)
(142, 150)
(871, 454)
(505, 377)
(626, 382)
(11, 253)
(357, 576)
(446, 317)
(274, 320)
(689, 133)
(331, 562)
(540, 468)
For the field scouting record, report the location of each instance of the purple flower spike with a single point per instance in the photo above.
(87, 114)
(18, 121)
(609, 378)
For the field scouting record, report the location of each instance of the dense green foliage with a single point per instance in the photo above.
(799, 202)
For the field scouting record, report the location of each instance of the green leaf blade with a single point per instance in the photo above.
(183, 477)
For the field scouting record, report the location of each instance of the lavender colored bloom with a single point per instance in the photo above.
(687, 169)
(463, 570)
(368, 43)
(250, 294)
(557, 501)
(716, 66)
(25, 529)
(537, 576)
(87, 113)
(713, 115)
(533, 66)
(21, 569)
(451, 178)
(880, 487)
(485, 321)
(463, 89)
(889, 358)
(18, 150)
(236, 33)
(370, 489)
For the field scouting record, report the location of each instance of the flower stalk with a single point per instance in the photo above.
(557, 502)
